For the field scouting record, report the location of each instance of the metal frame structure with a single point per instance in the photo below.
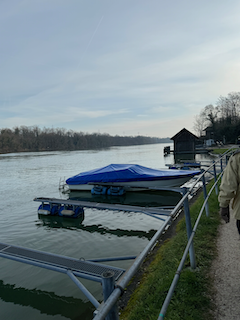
(115, 280)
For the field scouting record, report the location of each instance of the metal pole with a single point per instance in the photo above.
(108, 288)
(221, 162)
(175, 280)
(215, 178)
(226, 159)
(112, 259)
(205, 195)
(122, 283)
(83, 289)
(189, 230)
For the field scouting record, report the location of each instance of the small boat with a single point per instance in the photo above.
(184, 165)
(132, 177)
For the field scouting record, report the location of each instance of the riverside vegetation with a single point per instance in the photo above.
(222, 121)
(192, 296)
(22, 139)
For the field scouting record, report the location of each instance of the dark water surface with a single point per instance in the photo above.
(28, 292)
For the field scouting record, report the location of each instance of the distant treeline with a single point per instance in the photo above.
(21, 139)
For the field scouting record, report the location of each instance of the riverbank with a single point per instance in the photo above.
(193, 297)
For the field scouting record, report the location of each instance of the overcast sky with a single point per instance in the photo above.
(123, 67)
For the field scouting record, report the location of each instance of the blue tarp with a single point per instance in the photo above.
(127, 173)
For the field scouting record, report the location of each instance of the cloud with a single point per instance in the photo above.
(132, 67)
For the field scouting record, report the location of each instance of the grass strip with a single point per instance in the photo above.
(219, 151)
(192, 296)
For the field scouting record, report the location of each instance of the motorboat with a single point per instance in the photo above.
(131, 177)
(184, 165)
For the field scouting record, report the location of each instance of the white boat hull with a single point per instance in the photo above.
(136, 185)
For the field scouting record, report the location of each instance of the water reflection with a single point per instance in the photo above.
(193, 157)
(25, 155)
(61, 222)
(143, 199)
(46, 302)
(180, 157)
(66, 223)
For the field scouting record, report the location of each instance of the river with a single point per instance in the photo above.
(28, 292)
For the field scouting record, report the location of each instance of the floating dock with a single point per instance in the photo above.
(81, 268)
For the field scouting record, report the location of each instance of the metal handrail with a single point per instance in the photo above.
(190, 240)
(110, 302)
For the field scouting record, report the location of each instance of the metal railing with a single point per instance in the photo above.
(191, 235)
(108, 309)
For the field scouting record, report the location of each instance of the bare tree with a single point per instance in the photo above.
(207, 117)
(199, 125)
(230, 107)
(210, 114)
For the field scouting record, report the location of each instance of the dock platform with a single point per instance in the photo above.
(57, 262)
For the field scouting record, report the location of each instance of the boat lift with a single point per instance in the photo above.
(91, 269)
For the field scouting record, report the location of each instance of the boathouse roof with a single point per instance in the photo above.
(184, 132)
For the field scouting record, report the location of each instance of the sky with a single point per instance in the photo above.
(122, 67)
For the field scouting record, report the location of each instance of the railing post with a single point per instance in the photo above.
(221, 162)
(108, 287)
(189, 230)
(226, 159)
(215, 178)
(205, 195)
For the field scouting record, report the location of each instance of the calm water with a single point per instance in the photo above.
(28, 292)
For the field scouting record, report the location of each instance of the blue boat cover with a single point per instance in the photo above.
(127, 173)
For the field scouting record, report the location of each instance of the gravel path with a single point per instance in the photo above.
(226, 271)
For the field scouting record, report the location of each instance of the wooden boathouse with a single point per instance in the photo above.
(184, 142)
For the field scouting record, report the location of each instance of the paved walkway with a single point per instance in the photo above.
(226, 271)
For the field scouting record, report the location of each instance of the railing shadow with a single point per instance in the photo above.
(46, 302)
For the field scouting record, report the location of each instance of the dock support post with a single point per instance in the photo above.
(83, 289)
(189, 230)
(205, 195)
(215, 178)
(108, 287)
